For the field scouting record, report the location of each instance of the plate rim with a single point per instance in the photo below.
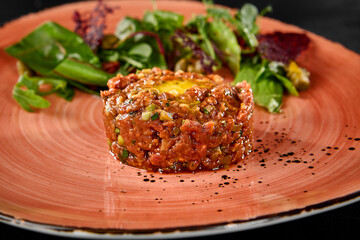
(187, 231)
(180, 232)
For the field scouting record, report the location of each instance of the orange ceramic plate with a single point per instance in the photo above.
(57, 173)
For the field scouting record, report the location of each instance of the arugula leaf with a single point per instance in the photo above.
(225, 39)
(28, 99)
(56, 85)
(27, 91)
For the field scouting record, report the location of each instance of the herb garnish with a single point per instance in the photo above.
(206, 111)
(60, 58)
(125, 153)
(155, 116)
(86, 59)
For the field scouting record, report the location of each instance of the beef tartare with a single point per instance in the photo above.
(167, 121)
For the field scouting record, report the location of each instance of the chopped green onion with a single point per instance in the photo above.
(125, 153)
(129, 100)
(155, 116)
(132, 113)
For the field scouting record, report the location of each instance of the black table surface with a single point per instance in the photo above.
(337, 20)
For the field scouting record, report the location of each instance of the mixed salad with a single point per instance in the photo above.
(55, 60)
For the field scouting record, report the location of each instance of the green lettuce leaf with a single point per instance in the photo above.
(224, 38)
(267, 85)
(126, 27)
(28, 95)
(141, 51)
(52, 50)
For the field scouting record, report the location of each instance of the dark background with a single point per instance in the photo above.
(337, 20)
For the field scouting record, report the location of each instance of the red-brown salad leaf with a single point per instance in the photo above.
(282, 47)
(91, 25)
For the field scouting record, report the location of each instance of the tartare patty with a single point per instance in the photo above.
(167, 121)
